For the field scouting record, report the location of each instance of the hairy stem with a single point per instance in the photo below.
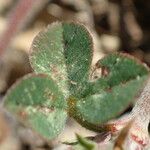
(141, 111)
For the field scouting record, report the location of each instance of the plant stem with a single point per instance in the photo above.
(18, 18)
(141, 110)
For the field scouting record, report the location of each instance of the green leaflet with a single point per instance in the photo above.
(100, 108)
(119, 68)
(37, 101)
(63, 51)
(84, 144)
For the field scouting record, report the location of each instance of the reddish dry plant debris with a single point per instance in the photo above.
(105, 71)
(138, 140)
(23, 114)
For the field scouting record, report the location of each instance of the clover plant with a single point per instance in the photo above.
(62, 83)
